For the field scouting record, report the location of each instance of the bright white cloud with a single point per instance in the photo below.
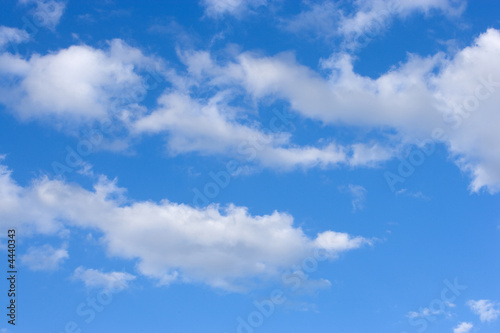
(487, 310)
(47, 13)
(77, 83)
(458, 96)
(214, 128)
(44, 258)
(338, 241)
(112, 281)
(222, 247)
(12, 35)
(463, 328)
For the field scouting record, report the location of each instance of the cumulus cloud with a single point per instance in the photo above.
(112, 281)
(487, 310)
(457, 96)
(79, 83)
(222, 247)
(454, 95)
(212, 128)
(463, 328)
(44, 258)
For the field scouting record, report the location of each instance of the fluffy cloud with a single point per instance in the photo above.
(77, 83)
(457, 96)
(463, 328)
(112, 281)
(214, 128)
(81, 84)
(44, 258)
(485, 309)
(222, 247)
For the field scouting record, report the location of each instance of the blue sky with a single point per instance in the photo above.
(251, 165)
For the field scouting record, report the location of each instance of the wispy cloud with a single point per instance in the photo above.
(222, 247)
(217, 8)
(487, 310)
(12, 35)
(112, 281)
(358, 195)
(44, 258)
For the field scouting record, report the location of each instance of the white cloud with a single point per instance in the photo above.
(373, 12)
(44, 258)
(215, 8)
(47, 13)
(338, 241)
(112, 281)
(222, 247)
(12, 35)
(230, 132)
(463, 328)
(457, 95)
(366, 20)
(77, 83)
(185, 120)
(415, 98)
(486, 310)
